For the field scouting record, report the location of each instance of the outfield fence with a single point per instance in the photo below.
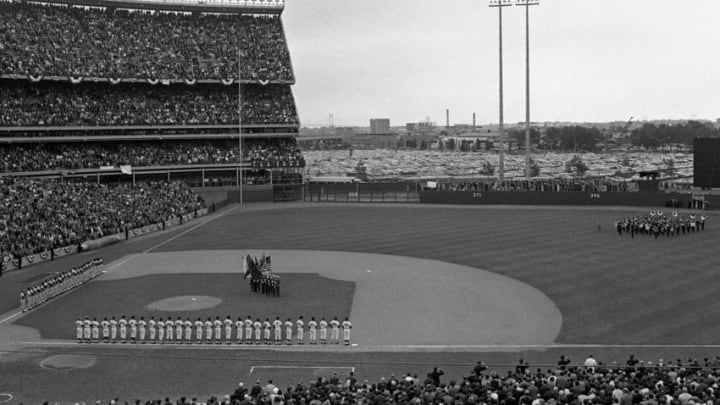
(399, 192)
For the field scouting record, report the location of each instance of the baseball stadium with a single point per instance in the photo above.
(152, 172)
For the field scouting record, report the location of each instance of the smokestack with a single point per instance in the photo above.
(473, 121)
(447, 118)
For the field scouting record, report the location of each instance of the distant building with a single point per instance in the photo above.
(380, 126)
(420, 128)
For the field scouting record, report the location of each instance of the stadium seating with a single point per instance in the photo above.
(47, 103)
(261, 153)
(37, 215)
(635, 382)
(52, 40)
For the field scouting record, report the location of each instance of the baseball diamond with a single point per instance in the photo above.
(421, 281)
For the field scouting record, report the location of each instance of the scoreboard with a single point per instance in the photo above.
(706, 166)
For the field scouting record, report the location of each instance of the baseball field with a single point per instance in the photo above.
(423, 285)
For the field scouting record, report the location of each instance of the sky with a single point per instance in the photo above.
(590, 60)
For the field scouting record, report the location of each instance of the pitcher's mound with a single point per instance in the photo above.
(68, 362)
(184, 303)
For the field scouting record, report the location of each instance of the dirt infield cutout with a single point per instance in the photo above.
(184, 303)
(399, 301)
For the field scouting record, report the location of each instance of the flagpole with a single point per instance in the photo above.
(240, 110)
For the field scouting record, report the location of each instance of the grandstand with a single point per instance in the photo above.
(149, 86)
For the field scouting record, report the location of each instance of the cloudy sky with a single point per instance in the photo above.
(591, 60)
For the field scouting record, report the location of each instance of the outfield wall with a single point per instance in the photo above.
(637, 199)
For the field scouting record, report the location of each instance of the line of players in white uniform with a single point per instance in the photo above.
(59, 284)
(211, 331)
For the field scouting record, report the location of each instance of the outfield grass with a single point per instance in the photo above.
(610, 289)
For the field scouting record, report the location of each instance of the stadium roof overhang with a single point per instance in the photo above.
(188, 6)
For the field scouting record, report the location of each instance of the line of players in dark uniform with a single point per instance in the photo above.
(60, 283)
(216, 331)
(657, 224)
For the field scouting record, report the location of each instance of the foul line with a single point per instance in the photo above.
(310, 367)
(10, 317)
(189, 230)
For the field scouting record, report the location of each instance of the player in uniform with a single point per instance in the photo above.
(278, 330)
(169, 330)
(335, 338)
(312, 325)
(228, 329)
(142, 329)
(208, 330)
(23, 302)
(266, 331)
(188, 331)
(152, 328)
(161, 331)
(95, 330)
(105, 330)
(179, 326)
(346, 325)
(79, 329)
(300, 330)
(133, 329)
(248, 330)
(87, 330)
(239, 330)
(258, 331)
(123, 329)
(218, 329)
(113, 329)
(288, 331)
(323, 331)
(199, 330)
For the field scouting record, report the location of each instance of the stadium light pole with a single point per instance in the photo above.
(527, 4)
(240, 120)
(499, 4)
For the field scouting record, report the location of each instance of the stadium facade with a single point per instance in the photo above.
(120, 91)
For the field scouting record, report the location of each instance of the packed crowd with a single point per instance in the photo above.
(275, 153)
(25, 104)
(545, 185)
(679, 382)
(657, 224)
(59, 284)
(86, 155)
(92, 42)
(227, 331)
(40, 215)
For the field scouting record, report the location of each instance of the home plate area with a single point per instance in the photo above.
(392, 301)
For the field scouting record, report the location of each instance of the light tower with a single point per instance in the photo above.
(527, 4)
(499, 4)
(240, 122)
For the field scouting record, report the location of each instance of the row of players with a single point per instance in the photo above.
(241, 331)
(59, 284)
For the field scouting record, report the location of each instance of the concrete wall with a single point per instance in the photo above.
(638, 199)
